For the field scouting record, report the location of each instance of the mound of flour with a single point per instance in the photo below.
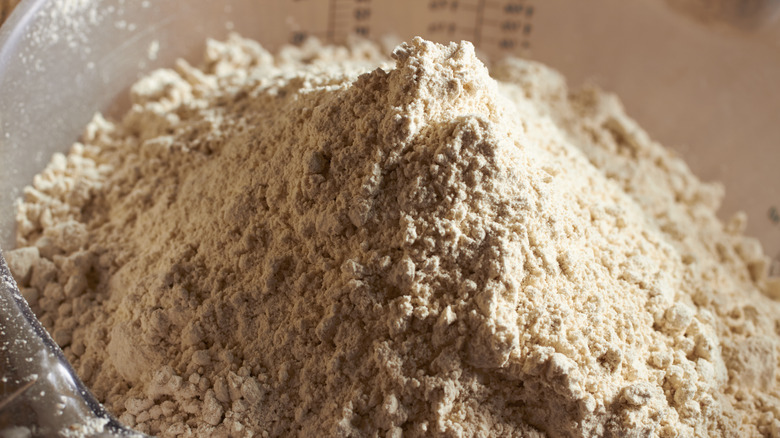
(327, 242)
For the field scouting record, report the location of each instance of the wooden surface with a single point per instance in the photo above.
(6, 6)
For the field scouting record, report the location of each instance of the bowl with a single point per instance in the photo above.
(701, 82)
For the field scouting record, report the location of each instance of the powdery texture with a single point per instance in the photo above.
(305, 244)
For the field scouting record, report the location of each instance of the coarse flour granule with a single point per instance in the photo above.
(327, 242)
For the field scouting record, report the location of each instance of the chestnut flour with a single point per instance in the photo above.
(329, 242)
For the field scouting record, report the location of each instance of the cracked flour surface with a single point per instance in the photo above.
(305, 244)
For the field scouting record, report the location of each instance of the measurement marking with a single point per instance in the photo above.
(348, 16)
(513, 8)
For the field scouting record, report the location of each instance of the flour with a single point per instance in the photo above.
(306, 244)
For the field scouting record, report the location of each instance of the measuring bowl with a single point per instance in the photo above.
(701, 76)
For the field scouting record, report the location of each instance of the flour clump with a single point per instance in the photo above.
(326, 242)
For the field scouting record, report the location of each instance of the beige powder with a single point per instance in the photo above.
(305, 244)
